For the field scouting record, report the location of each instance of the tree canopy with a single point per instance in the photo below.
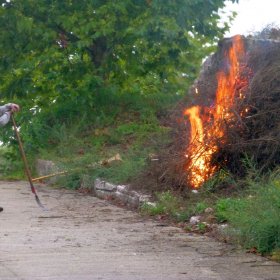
(62, 57)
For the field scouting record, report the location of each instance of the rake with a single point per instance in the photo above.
(26, 166)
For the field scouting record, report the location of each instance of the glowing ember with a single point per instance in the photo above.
(202, 145)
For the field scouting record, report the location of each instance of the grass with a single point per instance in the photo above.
(173, 206)
(254, 216)
(135, 139)
(11, 165)
(166, 204)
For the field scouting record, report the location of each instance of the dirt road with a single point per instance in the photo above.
(84, 238)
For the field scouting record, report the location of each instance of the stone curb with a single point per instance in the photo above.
(99, 188)
(120, 193)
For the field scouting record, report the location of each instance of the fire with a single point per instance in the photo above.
(200, 159)
(202, 146)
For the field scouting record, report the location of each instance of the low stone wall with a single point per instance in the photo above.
(99, 188)
(121, 193)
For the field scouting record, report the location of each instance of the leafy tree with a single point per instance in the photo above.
(61, 58)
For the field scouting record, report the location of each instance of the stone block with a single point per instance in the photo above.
(144, 199)
(121, 196)
(109, 187)
(121, 193)
(133, 201)
(194, 220)
(123, 189)
(102, 194)
(104, 186)
(134, 194)
(98, 184)
(45, 167)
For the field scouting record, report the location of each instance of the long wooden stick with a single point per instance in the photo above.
(26, 166)
(117, 157)
(50, 175)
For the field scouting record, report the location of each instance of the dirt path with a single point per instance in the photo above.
(82, 237)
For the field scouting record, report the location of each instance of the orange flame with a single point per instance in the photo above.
(201, 149)
(200, 159)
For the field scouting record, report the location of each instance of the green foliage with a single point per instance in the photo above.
(225, 206)
(255, 217)
(166, 203)
(202, 227)
(152, 210)
(72, 181)
(63, 60)
(133, 140)
(130, 166)
(199, 208)
(219, 179)
(174, 206)
(11, 166)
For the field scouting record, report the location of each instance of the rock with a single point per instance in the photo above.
(122, 188)
(144, 199)
(47, 167)
(133, 201)
(152, 204)
(104, 186)
(99, 184)
(134, 194)
(209, 210)
(210, 219)
(223, 226)
(121, 196)
(102, 194)
(214, 226)
(195, 220)
(109, 187)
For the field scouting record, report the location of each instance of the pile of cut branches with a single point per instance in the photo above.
(252, 132)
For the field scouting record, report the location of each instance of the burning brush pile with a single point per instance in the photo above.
(234, 113)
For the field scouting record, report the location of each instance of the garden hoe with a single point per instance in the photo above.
(26, 167)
